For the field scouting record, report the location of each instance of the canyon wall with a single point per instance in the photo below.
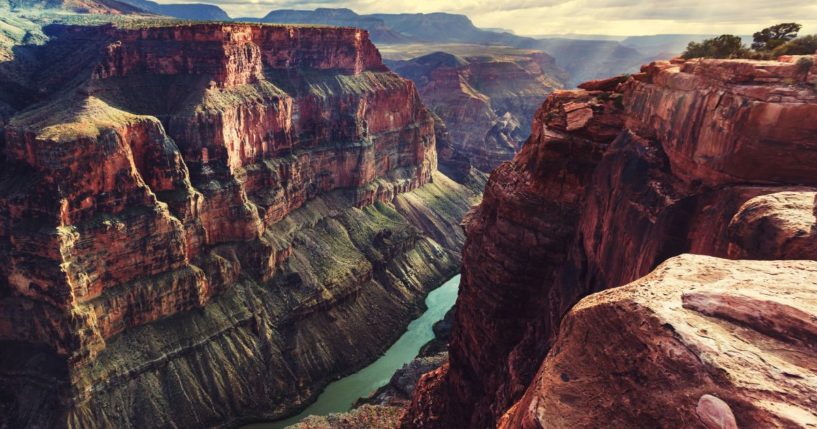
(711, 157)
(207, 223)
(487, 101)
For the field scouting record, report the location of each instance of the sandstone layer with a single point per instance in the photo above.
(712, 157)
(206, 223)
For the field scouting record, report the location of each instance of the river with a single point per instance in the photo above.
(340, 395)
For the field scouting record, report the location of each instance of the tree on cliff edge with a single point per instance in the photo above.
(772, 37)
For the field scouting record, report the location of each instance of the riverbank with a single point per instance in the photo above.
(340, 395)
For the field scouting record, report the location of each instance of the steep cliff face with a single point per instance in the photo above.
(208, 222)
(705, 156)
(487, 102)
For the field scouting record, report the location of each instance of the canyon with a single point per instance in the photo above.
(665, 183)
(204, 224)
(487, 101)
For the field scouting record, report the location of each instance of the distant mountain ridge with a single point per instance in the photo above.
(341, 17)
(194, 11)
(107, 7)
(582, 59)
(434, 27)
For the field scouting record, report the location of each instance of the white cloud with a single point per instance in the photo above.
(620, 17)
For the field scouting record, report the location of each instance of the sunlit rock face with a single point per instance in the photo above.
(710, 157)
(701, 342)
(204, 223)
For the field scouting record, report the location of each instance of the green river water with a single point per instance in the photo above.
(340, 395)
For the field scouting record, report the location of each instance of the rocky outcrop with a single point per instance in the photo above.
(775, 226)
(364, 417)
(487, 102)
(700, 342)
(704, 156)
(207, 223)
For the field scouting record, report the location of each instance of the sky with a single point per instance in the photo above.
(611, 17)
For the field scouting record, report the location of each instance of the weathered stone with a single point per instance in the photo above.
(715, 414)
(644, 355)
(702, 156)
(776, 226)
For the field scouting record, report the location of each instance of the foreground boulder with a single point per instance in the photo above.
(699, 342)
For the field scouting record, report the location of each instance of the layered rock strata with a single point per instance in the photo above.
(207, 223)
(486, 101)
(709, 157)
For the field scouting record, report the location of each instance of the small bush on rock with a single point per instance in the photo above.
(806, 45)
(723, 46)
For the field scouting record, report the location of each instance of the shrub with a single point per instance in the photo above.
(723, 46)
(771, 42)
(805, 45)
(804, 65)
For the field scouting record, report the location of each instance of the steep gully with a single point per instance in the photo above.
(199, 219)
(710, 157)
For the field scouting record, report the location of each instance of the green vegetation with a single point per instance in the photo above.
(723, 46)
(777, 35)
(75, 118)
(804, 65)
(771, 42)
(805, 45)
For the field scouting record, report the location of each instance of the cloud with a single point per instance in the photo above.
(620, 17)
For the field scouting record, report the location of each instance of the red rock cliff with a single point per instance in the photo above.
(704, 156)
(210, 199)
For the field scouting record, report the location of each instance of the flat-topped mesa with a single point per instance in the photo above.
(233, 53)
(699, 156)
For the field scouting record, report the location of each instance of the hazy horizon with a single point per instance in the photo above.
(577, 17)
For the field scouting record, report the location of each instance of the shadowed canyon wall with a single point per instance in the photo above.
(487, 101)
(710, 157)
(206, 223)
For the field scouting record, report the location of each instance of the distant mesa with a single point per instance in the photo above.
(194, 11)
